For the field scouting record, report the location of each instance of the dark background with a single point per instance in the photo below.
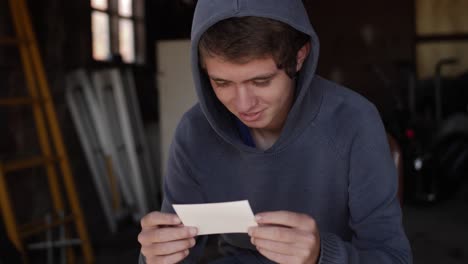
(438, 231)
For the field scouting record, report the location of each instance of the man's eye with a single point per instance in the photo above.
(222, 84)
(261, 83)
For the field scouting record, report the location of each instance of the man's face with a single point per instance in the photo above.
(257, 92)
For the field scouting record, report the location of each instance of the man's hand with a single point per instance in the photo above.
(164, 239)
(286, 237)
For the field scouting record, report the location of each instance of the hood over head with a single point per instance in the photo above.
(308, 97)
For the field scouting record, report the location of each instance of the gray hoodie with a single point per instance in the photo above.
(332, 160)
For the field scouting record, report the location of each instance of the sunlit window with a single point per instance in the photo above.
(126, 40)
(429, 54)
(118, 30)
(442, 27)
(441, 17)
(125, 8)
(99, 4)
(100, 30)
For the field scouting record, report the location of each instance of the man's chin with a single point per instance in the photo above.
(256, 125)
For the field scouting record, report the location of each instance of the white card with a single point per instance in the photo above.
(217, 218)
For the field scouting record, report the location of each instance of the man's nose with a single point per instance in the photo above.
(245, 99)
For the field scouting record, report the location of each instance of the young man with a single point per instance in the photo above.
(311, 157)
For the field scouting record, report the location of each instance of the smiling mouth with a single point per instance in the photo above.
(250, 117)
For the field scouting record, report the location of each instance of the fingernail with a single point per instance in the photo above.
(252, 240)
(176, 220)
(258, 218)
(192, 242)
(193, 231)
(186, 252)
(250, 231)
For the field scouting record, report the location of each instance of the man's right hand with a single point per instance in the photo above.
(164, 239)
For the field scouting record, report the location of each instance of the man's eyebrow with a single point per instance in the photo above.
(216, 79)
(264, 77)
(256, 78)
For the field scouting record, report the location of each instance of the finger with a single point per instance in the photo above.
(277, 257)
(167, 248)
(280, 234)
(168, 259)
(289, 249)
(157, 218)
(166, 234)
(289, 219)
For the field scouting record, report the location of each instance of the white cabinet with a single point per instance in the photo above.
(175, 87)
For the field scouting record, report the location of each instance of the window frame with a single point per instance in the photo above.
(137, 19)
(433, 37)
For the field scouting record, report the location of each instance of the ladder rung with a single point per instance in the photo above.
(16, 101)
(10, 166)
(40, 226)
(9, 41)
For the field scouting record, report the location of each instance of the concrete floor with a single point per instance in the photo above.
(438, 233)
(120, 248)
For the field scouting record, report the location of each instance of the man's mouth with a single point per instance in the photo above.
(251, 117)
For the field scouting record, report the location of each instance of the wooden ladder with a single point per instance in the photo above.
(53, 157)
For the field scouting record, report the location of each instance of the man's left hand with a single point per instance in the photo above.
(286, 237)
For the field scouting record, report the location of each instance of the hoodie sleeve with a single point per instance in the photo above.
(180, 186)
(375, 214)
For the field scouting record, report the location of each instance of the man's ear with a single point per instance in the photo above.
(302, 55)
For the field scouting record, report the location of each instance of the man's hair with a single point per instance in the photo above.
(242, 39)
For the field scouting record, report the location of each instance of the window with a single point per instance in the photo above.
(118, 30)
(442, 33)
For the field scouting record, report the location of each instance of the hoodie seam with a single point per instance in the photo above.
(286, 21)
(312, 122)
(236, 6)
(336, 148)
(185, 160)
